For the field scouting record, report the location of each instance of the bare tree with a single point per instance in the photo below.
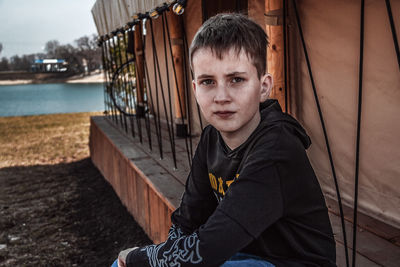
(84, 49)
(50, 48)
(4, 64)
(89, 51)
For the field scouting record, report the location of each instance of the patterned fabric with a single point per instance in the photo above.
(177, 249)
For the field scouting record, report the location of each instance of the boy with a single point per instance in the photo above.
(251, 198)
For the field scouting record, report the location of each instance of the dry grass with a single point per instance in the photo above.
(56, 209)
(44, 139)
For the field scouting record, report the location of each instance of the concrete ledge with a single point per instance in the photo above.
(145, 187)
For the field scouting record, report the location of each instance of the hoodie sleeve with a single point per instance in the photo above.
(198, 201)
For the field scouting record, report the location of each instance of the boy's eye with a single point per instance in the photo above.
(206, 82)
(237, 80)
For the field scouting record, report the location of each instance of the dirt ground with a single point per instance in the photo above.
(56, 209)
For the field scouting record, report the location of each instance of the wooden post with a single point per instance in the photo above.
(175, 28)
(140, 75)
(275, 51)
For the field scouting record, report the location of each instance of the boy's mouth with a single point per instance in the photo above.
(224, 114)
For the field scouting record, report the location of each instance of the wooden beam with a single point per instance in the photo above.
(176, 33)
(275, 51)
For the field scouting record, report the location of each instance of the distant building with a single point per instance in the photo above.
(50, 65)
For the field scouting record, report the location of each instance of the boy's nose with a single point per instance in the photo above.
(222, 95)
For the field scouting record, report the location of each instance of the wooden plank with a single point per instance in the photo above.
(114, 168)
(123, 181)
(165, 221)
(166, 186)
(366, 222)
(142, 192)
(155, 220)
(360, 260)
(132, 197)
(396, 241)
(369, 245)
(275, 54)
(175, 27)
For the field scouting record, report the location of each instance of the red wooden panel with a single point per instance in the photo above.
(154, 215)
(123, 179)
(142, 193)
(166, 221)
(131, 189)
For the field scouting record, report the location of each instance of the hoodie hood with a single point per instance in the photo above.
(271, 113)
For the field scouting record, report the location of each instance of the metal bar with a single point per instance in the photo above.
(360, 87)
(148, 90)
(285, 55)
(116, 67)
(393, 28)
(123, 80)
(324, 130)
(187, 92)
(131, 96)
(156, 113)
(177, 88)
(145, 92)
(109, 72)
(161, 85)
(172, 134)
(105, 78)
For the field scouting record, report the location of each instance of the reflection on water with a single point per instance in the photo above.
(33, 99)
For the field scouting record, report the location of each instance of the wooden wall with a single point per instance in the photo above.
(124, 167)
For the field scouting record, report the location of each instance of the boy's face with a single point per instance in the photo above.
(229, 92)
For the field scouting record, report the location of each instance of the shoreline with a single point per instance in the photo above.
(94, 112)
(95, 77)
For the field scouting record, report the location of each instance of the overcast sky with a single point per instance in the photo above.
(26, 25)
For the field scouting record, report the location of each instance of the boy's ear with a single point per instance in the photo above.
(194, 87)
(266, 86)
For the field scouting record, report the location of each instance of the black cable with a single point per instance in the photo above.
(157, 64)
(115, 80)
(324, 130)
(123, 81)
(105, 79)
(117, 67)
(204, 10)
(156, 114)
(149, 92)
(191, 73)
(144, 92)
(172, 134)
(132, 103)
(155, 59)
(360, 87)
(285, 56)
(106, 71)
(109, 72)
(187, 91)
(393, 28)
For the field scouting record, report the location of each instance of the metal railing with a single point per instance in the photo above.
(142, 105)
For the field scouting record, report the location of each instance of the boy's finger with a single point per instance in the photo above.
(121, 263)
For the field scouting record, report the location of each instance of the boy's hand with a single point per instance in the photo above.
(122, 256)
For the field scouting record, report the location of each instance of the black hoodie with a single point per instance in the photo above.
(261, 198)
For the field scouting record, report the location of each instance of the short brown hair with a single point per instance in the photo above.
(232, 30)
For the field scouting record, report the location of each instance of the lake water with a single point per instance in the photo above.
(34, 99)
